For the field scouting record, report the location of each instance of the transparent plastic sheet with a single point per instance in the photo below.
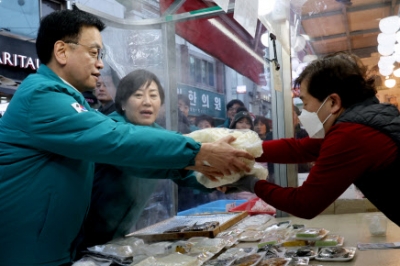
(247, 140)
(144, 49)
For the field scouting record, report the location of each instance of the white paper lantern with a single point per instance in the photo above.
(385, 71)
(386, 39)
(390, 83)
(382, 65)
(397, 72)
(398, 36)
(387, 60)
(385, 49)
(389, 24)
(397, 57)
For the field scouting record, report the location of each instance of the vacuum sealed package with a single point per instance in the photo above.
(247, 140)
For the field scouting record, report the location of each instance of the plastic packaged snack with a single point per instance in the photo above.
(213, 245)
(236, 253)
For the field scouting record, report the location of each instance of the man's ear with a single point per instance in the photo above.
(336, 103)
(60, 52)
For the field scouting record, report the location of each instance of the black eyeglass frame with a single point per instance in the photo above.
(100, 51)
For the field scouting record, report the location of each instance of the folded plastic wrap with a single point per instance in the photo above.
(246, 140)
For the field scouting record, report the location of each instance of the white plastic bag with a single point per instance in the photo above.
(247, 140)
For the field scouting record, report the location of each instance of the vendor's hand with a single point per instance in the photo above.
(221, 157)
(245, 183)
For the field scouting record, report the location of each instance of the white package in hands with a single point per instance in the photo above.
(247, 140)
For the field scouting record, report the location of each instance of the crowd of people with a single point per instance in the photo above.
(72, 176)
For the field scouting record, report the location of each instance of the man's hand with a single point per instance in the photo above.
(245, 183)
(220, 159)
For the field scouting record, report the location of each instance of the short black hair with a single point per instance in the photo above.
(205, 118)
(131, 83)
(233, 102)
(340, 73)
(62, 25)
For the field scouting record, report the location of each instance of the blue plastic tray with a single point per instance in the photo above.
(212, 207)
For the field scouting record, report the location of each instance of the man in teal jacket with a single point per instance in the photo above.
(50, 139)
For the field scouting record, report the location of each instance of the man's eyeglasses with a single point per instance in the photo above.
(94, 52)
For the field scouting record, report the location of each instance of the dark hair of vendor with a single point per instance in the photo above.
(340, 73)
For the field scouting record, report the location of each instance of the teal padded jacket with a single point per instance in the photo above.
(49, 141)
(120, 194)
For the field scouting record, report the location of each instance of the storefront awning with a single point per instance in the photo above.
(223, 38)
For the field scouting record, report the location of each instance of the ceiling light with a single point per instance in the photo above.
(397, 72)
(387, 60)
(386, 71)
(389, 24)
(390, 83)
(386, 39)
(385, 49)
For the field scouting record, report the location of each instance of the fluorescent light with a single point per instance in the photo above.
(390, 83)
(239, 42)
(397, 72)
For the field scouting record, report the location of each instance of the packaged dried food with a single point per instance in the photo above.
(89, 260)
(174, 259)
(113, 250)
(311, 234)
(250, 260)
(219, 262)
(235, 253)
(230, 240)
(181, 246)
(330, 241)
(336, 254)
(213, 245)
(274, 262)
(301, 252)
(175, 229)
(294, 243)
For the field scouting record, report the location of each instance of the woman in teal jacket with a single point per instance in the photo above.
(120, 194)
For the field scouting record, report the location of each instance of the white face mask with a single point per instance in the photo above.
(312, 124)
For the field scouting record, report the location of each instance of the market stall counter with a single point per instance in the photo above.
(354, 230)
(263, 240)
